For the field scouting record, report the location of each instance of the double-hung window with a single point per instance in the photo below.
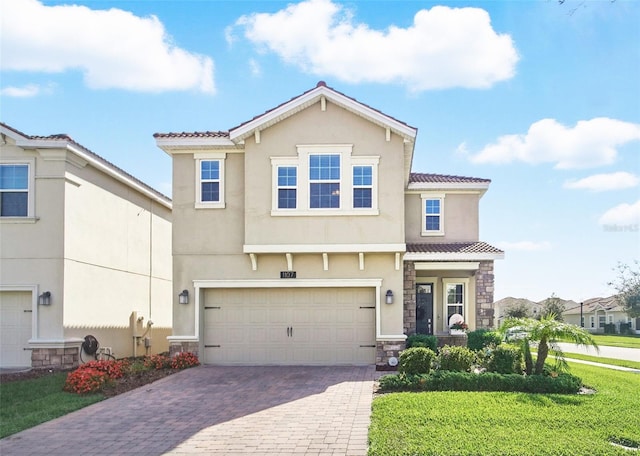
(210, 180)
(14, 190)
(432, 214)
(362, 186)
(287, 187)
(324, 181)
(455, 298)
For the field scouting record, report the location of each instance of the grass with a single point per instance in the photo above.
(631, 341)
(599, 359)
(27, 403)
(472, 423)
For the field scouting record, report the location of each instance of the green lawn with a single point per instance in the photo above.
(600, 359)
(24, 404)
(618, 340)
(472, 423)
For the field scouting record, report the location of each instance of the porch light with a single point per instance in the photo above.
(183, 298)
(389, 297)
(45, 299)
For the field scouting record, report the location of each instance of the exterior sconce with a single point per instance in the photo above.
(183, 298)
(389, 297)
(45, 299)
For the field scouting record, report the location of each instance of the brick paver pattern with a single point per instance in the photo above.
(215, 410)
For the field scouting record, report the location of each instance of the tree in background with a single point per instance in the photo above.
(627, 284)
(518, 310)
(552, 306)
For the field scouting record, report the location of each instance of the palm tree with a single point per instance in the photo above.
(547, 331)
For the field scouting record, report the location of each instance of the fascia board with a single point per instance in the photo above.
(415, 256)
(169, 144)
(325, 248)
(311, 97)
(420, 186)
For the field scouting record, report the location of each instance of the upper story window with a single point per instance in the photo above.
(362, 186)
(287, 187)
(210, 180)
(325, 180)
(432, 214)
(14, 190)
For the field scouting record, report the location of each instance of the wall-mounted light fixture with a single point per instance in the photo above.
(45, 299)
(389, 297)
(183, 298)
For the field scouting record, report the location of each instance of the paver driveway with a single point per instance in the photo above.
(218, 410)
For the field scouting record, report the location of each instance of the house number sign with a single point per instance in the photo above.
(287, 274)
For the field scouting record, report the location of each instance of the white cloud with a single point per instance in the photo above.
(590, 143)
(622, 215)
(113, 48)
(604, 182)
(527, 246)
(444, 47)
(29, 90)
(255, 68)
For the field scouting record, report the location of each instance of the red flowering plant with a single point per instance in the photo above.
(93, 376)
(184, 360)
(461, 325)
(157, 362)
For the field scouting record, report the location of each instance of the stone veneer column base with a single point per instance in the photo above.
(386, 349)
(59, 358)
(180, 347)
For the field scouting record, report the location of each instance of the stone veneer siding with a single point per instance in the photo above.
(179, 347)
(386, 350)
(60, 358)
(484, 295)
(409, 298)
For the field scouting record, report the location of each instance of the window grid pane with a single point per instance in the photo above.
(14, 177)
(210, 170)
(325, 196)
(14, 204)
(362, 197)
(432, 206)
(287, 198)
(433, 223)
(324, 167)
(287, 176)
(210, 191)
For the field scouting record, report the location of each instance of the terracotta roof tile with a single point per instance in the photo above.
(453, 247)
(194, 134)
(424, 178)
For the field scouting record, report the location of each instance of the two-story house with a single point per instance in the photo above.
(85, 250)
(302, 237)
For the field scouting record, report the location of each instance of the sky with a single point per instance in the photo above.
(542, 97)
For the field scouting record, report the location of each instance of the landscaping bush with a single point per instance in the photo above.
(422, 340)
(184, 360)
(416, 360)
(505, 359)
(455, 358)
(489, 381)
(86, 380)
(160, 361)
(482, 338)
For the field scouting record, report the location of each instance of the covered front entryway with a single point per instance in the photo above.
(289, 326)
(15, 328)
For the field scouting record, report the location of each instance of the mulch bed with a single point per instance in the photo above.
(120, 386)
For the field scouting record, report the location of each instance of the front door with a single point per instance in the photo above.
(424, 308)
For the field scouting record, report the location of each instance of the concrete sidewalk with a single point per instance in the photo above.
(218, 410)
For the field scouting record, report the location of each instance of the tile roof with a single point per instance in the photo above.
(321, 84)
(610, 303)
(453, 247)
(66, 139)
(194, 134)
(424, 178)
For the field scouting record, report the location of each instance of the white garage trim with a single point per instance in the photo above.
(288, 283)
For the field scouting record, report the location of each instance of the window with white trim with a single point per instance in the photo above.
(14, 190)
(592, 320)
(210, 180)
(601, 321)
(287, 187)
(328, 180)
(455, 298)
(324, 181)
(362, 186)
(432, 214)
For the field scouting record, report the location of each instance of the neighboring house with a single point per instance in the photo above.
(598, 312)
(302, 237)
(502, 307)
(85, 249)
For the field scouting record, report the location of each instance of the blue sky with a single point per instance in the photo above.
(541, 97)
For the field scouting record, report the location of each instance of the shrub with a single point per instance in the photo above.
(505, 359)
(490, 381)
(483, 338)
(422, 340)
(86, 380)
(184, 360)
(454, 358)
(416, 360)
(113, 369)
(157, 362)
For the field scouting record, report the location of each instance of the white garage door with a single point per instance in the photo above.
(285, 326)
(15, 328)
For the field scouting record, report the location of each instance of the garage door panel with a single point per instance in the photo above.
(252, 326)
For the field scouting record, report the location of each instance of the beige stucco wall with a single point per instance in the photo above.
(89, 245)
(461, 217)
